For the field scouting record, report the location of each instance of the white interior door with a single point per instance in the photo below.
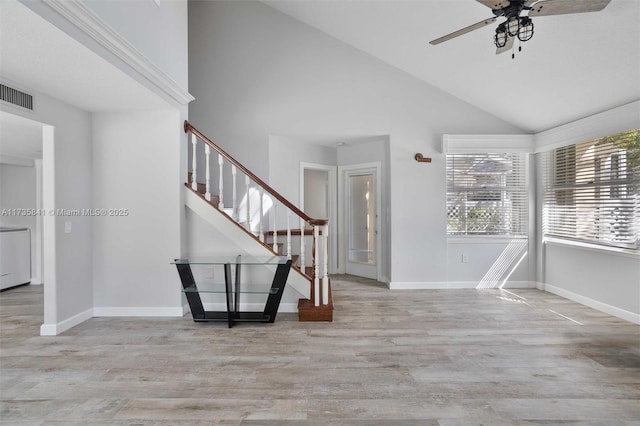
(361, 238)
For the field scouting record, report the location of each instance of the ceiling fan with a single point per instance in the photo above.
(518, 23)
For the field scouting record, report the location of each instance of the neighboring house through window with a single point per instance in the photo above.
(487, 194)
(592, 191)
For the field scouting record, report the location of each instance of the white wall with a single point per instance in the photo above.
(488, 263)
(603, 280)
(258, 72)
(600, 278)
(72, 173)
(136, 158)
(18, 191)
(157, 29)
(284, 157)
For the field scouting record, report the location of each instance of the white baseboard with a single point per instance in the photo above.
(35, 281)
(251, 307)
(602, 307)
(138, 311)
(450, 285)
(418, 285)
(62, 326)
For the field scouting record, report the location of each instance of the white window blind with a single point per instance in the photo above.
(592, 191)
(487, 194)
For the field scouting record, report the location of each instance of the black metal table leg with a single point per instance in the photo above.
(229, 294)
(276, 291)
(191, 291)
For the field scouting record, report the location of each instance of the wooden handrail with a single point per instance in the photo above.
(188, 127)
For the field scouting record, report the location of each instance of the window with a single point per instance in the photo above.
(592, 191)
(487, 194)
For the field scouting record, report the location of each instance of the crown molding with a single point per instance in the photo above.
(610, 122)
(478, 144)
(90, 24)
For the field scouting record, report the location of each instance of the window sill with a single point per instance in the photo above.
(484, 239)
(614, 251)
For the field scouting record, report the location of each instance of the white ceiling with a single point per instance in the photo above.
(36, 55)
(573, 67)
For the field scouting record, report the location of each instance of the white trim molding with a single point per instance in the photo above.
(612, 251)
(132, 311)
(90, 24)
(478, 144)
(615, 120)
(599, 306)
(64, 325)
(451, 285)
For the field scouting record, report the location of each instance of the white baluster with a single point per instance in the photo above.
(220, 182)
(316, 265)
(234, 204)
(194, 167)
(275, 231)
(325, 264)
(247, 181)
(260, 229)
(302, 240)
(288, 234)
(207, 153)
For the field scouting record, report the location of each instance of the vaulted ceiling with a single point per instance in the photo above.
(574, 66)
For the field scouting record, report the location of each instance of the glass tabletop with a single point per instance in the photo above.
(220, 288)
(238, 260)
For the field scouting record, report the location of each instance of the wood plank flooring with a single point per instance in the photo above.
(444, 357)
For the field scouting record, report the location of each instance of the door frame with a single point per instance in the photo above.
(343, 172)
(332, 208)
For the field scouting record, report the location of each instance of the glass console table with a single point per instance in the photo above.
(232, 288)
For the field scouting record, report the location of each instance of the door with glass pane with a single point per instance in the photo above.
(361, 203)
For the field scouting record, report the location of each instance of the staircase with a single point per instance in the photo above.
(270, 219)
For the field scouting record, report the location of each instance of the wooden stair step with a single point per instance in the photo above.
(308, 312)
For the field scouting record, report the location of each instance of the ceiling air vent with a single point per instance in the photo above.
(16, 97)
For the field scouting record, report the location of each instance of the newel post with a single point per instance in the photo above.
(325, 264)
(316, 265)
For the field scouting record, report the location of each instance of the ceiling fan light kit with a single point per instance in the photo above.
(518, 23)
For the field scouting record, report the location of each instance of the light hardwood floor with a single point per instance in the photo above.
(449, 357)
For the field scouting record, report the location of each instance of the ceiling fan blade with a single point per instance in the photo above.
(495, 4)
(463, 31)
(506, 47)
(563, 7)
